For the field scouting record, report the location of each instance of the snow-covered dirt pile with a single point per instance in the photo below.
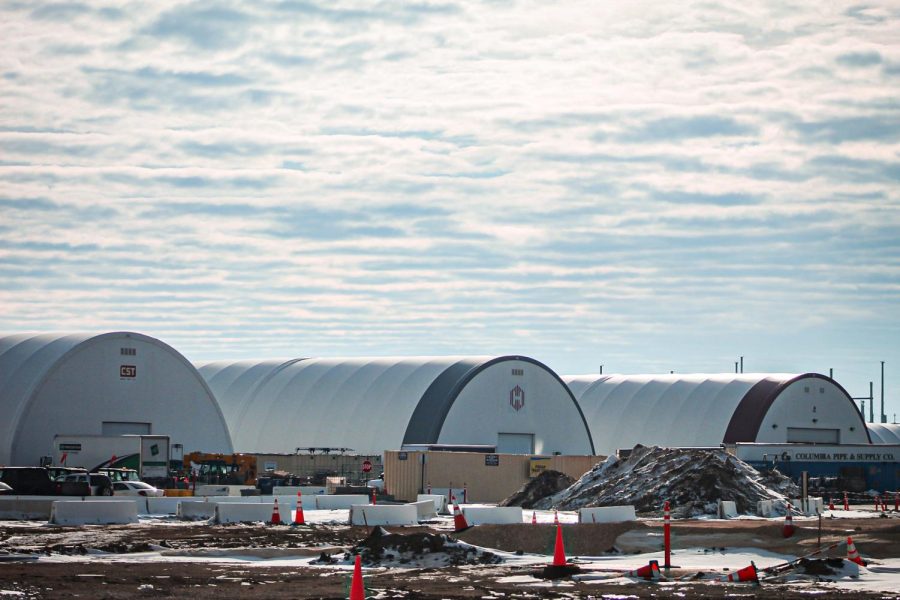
(419, 549)
(546, 484)
(692, 480)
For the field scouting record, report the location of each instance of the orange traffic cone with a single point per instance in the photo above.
(556, 517)
(559, 550)
(373, 495)
(533, 518)
(745, 574)
(276, 517)
(846, 502)
(852, 554)
(649, 572)
(357, 592)
(299, 519)
(788, 529)
(459, 519)
(831, 504)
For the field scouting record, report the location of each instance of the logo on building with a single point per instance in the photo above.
(517, 398)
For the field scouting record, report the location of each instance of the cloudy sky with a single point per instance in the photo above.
(650, 186)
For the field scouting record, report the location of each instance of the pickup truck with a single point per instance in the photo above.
(38, 481)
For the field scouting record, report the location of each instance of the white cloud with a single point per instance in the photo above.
(638, 180)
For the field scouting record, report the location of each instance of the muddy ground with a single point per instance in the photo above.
(875, 538)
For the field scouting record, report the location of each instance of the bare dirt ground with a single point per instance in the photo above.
(126, 579)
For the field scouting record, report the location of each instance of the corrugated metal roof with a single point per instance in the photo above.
(884, 433)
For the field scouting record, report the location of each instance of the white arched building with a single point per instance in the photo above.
(708, 410)
(370, 405)
(109, 384)
(885, 433)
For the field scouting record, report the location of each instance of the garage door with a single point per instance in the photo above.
(809, 435)
(125, 428)
(515, 443)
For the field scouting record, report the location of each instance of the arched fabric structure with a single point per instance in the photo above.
(885, 433)
(375, 404)
(708, 410)
(53, 384)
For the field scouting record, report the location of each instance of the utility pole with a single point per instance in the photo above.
(735, 366)
(742, 364)
(831, 373)
(871, 404)
(871, 399)
(601, 369)
(883, 416)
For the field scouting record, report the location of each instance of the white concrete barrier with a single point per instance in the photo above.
(106, 512)
(727, 509)
(606, 514)
(383, 514)
(424, 509)
(461, 495)
(440, 502)
(21, 508)
(342, 501)
(771, 508)
(249, 512)
(291, 490)
(492, 515)
(195, 510)
(221, 490)
(814, 506)
(165, 505)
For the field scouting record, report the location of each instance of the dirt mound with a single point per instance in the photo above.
(383, 548)
(691, 479)
(545, 484)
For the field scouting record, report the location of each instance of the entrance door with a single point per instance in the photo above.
(515, 443)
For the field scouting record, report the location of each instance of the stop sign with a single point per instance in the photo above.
(367, 466)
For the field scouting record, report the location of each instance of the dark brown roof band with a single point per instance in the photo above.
(748, 416)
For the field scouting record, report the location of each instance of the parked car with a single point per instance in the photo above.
(100, 485)
(5, 490)
(60, 473)
(119, 474)
(38, 481)
(135, 488)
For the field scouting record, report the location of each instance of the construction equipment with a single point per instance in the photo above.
(222, 469)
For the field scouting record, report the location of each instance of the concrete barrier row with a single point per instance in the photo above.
(236, 512)
(424, 509)
(440, 502)
(338, 502)
(776, 508)
(384, 514)
(108, 512)
(291, 490)
(196, 510)
(607, 514)
(492, 515)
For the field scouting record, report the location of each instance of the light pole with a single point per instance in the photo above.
(883, 416)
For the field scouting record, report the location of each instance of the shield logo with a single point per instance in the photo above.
(517, 398)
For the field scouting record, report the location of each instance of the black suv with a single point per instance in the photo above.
(38, 481)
